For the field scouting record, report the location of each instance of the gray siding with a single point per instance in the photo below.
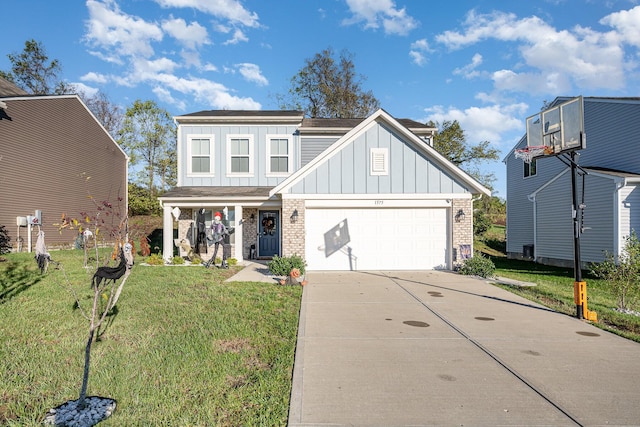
(554, 226)
(48, 143)
(259, 132)
(519, 207)
(310, 147)
(347, 171)
(599, 219)
(613, 135)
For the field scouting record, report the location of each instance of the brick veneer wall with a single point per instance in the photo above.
(249, 231)
(293, 239)
(462, 230)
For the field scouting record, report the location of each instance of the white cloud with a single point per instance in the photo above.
(238, 36)
(95, 78)
(627, 24)
(207, 92)
(231, 10)
(418, 50)
(192, 35)
(376, 13)
(252, 73)
(84, 89)
(469, 71)
(117, 33)
(554, 60)
(489, 123)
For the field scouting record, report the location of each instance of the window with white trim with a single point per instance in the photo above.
(240, 155)
(530, 169)
(279, 158)
(379, 161)
(200, 151)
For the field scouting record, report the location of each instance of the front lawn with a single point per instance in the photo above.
(554, 289)
(183, 349)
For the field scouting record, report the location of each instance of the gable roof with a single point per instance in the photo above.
(241, 116)
(8, 88)
(363, 126)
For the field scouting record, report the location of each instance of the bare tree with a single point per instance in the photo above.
(110, 115)
(329, 88)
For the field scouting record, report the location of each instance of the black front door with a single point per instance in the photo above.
(269, 237)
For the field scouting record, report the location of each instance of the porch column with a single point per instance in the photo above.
(167, 233)
(238, 250)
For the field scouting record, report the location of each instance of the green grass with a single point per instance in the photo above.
(183, 348)
(554, 286)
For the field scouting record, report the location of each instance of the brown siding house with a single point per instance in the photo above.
(49, 145)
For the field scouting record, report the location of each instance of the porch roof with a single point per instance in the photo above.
(218, 192)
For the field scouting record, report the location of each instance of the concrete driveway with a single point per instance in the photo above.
(435, 348)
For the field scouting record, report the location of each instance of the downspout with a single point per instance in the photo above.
(532, 199)
(620, 184)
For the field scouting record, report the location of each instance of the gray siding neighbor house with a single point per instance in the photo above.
(539, 205)
(345, 194)
(49, 145)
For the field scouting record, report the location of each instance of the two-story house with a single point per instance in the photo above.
(55, 158)
(345, 194)
(540, 221)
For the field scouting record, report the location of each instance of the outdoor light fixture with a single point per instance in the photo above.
(294, 216)
(460, 216)
(252, 219)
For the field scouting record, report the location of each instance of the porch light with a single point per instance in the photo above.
(252, 219)
(459, 216)
(294, 216)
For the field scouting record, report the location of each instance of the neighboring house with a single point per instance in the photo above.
(344, 194)
(539, 208)
(49, 145)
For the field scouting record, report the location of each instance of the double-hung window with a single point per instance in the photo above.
(530, 168)
(201, 154)
(240, 155)
(279, 158)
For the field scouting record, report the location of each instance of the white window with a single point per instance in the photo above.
(530, 169)
(379, 161)
(200, 151)
(279, 155)
(240, 155)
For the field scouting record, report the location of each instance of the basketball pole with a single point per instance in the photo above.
(579, 286)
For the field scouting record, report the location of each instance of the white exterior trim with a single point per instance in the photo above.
(378, 203)
(212, 155)
(251, 156)
(422, 196)
(289, 139)
(360, 129)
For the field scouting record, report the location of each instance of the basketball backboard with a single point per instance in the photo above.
(559, 129)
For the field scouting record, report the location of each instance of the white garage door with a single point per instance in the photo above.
(376, 239)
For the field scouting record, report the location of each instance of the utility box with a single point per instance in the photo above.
(527, 251)
(21, 221)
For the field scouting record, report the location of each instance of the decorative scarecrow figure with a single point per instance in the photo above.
(216, 237)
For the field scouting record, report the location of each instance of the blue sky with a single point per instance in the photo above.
(487, 64)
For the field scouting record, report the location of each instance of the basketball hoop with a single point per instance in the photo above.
(529, 153)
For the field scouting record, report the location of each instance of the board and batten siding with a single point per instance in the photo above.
(220, 178)
(348, 170)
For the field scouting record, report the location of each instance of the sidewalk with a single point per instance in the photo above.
(436, 348)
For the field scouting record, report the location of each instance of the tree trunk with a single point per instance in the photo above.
(87, 361)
